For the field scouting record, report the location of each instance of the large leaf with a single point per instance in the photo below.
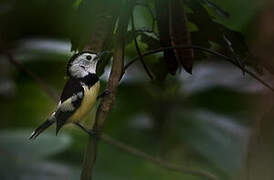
(15, 144)
(219, 139)
(218, 10)
(38, 170)
(211, 31)
(94, 20)
(35, 18)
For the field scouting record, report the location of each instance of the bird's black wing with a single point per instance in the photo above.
(70, 101)
(73, 86)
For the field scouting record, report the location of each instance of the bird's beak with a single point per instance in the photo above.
(101, 54)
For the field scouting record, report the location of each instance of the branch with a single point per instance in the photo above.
(234, 55)
(138, 49)
(123, 146)
(40, 82)
(231, 60)
(133, 151)
(105, 21)
(113, 82)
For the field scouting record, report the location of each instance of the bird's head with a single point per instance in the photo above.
(83, 63)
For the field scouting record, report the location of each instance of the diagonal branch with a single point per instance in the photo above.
(39, 81)
(234, 55)
(138, 49)
(209, 51)
(136, 152)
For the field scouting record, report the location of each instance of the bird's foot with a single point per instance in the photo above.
(90, 132)
(103, 94)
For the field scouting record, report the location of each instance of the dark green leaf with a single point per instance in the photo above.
(212, 31)
(218, 10)
(16, 144)
(150, 41)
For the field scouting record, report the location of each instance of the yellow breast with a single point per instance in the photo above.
(88, 102)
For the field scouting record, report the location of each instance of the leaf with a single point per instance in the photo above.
(94, 20)
(15, 144)
(216, 8)
(162, 16)
(37, 170)
(211, 31)
(77, 3)
(212, 135)
(150, 41)
(180, 35)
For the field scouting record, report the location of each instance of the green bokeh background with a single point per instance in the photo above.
(203, 127)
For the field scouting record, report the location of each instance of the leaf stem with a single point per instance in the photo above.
(138, 49)
(39, 81)
(209, 51)
(158, 161)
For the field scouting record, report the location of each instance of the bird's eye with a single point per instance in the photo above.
(88, 57)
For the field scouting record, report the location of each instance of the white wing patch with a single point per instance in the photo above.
(59, 104)
(67, 105)
(87, 103)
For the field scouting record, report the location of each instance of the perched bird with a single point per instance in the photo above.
(79, 94)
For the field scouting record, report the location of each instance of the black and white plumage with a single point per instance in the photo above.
(79, 94)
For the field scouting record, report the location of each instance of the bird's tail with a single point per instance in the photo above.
(42, 127)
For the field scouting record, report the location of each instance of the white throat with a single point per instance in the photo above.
(81, 70)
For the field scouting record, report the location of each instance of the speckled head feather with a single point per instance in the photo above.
(81, 64)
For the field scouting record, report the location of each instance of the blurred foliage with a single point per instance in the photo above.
(21, 160)
(200, 120)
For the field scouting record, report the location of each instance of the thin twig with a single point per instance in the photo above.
(157, 161)
(231, 60)
(138, 49)
(39, 81)
(146, 30)
(234, 55)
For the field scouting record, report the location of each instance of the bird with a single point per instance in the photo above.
(79, 94)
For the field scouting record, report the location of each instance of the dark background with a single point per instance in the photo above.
(204, 121)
